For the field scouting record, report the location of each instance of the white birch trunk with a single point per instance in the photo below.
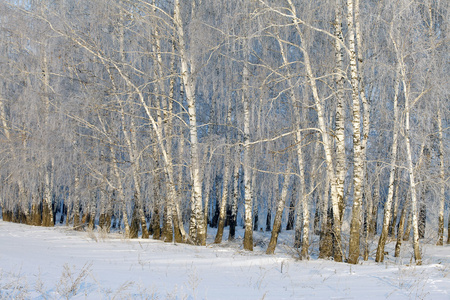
(131, 141)
(303, 203)
(388, 204)
(358, 165)
(135, 165)
(341, 169)
(410, 167)
(120, 193)
(234, 201)
(440, 241)
(279, 214)
(226, 175)
(362, 92)
(200, 237)
(327, 143)
(417, 255)
(47, 211)
(248, 198)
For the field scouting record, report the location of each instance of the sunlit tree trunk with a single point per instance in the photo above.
(373, 227)
(440, 241)
(234, 199)
(248, 197)
(186, 76)
(326, 240)
(367, 221)
(394, 217)
(279, 214)
(131, 141)
(401, 228)
(303, 205)
(226, 179)
(341, 169)
(76, 204)
(358, 165)
(412, 182)
(327, 142)
(392, 168)
(47, 210)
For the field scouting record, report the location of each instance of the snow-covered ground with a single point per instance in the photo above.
(58, 263)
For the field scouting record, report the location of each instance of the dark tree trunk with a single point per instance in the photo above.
(291, 215)
(407, 232)
(102, 221)
(63, 213)
(108, 222)
(316, 221)
(422, 220)
(155, 223)
(326, 237)
(448, 229)
(400, 228)
(232, 221)
(134, 227)
(268, 219)
(215, 219)
(167, 230)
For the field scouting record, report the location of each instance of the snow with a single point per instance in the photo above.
(58, 263)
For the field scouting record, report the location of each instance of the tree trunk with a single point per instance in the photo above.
(367, 220)
(269, 218)
(156, 229)
(291, 215)
(134, 226)
(448, 230)
(223, 202)
(234, 202)
(376, 204)
(400, 229)
(422, 220)
(326, 240)
(279, 214)
(407, 232)
(226, 175)
(299, 115)
(133, 152)
(341, 169)
(412, 182)
(393, 223)
(35, 214)
(200, 237)
(358, 165)
(440, 240)
(388, 204)
(248, 197)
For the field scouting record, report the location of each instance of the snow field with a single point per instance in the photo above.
(58, 263)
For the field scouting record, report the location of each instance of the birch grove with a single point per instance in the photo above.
(329, 119)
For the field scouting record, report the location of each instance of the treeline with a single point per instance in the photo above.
(330, 118)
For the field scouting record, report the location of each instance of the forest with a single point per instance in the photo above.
(161, 119)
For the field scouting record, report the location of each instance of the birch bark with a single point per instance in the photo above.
(234, 198)
(440, 241)
(327, 142)
(341, 169)
(358, 165)
(226, 175)
(387, 206)
(410, 167)
(189, 88)
(248, 197)
(279, 214)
